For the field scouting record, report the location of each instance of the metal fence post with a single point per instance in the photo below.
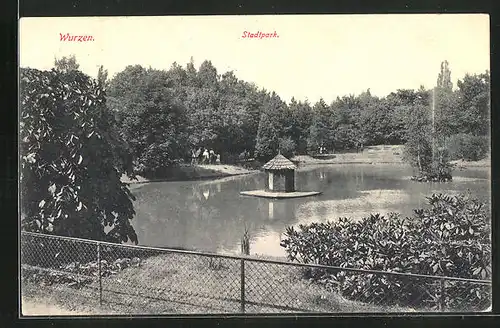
(99, 271)
(242, 281)
(442, 297)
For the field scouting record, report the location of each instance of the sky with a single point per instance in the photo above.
(313, 57)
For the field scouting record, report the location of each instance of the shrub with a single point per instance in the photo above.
(435, 168)
(216, 264)
(71, 159)
(468, 147)
(450, 238)
(436, 172)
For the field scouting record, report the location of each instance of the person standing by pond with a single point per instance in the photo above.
(217, 161)
(206, 156)
(198, 156)
(212, 156)
(194, 157)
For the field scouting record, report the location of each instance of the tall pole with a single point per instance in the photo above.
(442, 298)
(242, 285)
(99, 272)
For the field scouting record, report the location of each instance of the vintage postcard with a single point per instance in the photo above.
(254, 164)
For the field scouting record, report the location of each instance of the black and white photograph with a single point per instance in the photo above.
(254, 164)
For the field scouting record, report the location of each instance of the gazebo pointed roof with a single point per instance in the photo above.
(279, 162)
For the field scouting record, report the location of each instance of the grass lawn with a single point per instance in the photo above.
(187, 284)
(384, 154)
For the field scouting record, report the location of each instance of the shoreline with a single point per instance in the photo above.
(177, 179)
(301, 166)
(373, 155)
(194, 173)
(465, 164)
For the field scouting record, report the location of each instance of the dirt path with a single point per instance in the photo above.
(226, 169)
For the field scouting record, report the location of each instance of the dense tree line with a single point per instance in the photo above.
(163, 115)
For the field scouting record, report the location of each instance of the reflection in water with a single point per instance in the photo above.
(271, 210)
(211, 215)
(206, 193)
(372, 201)
(281, 208)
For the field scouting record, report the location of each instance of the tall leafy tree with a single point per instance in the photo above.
(152, 121)
(377, 123)
(301, 120)
(344, 121)
(473, 108)
(320, 131)
(177, 75)
(443, 106)
(418, 147)
(66, 64)
(209, 120)
(399, 105)
(207, 75)
(444, 77)
(70, 178)
(363, 101)
(253, 101)
(191, 74)
(271, 127)
(126, 89)
(202, 106)
(102, 77)
(239, 115)
(178, 83)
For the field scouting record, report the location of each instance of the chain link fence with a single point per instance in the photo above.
(126, 279)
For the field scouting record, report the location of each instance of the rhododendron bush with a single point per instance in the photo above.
(71, 159)
(451, 237)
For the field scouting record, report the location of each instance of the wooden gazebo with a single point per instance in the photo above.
(281, 174)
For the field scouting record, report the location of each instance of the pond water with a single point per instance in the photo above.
(212, 215)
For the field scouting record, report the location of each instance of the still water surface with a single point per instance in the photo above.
(211, 215)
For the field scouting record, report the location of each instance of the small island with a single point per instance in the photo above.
(281, 180)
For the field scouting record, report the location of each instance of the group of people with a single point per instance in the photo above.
(204, 156)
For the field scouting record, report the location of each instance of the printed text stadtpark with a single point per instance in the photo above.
(259, 35)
